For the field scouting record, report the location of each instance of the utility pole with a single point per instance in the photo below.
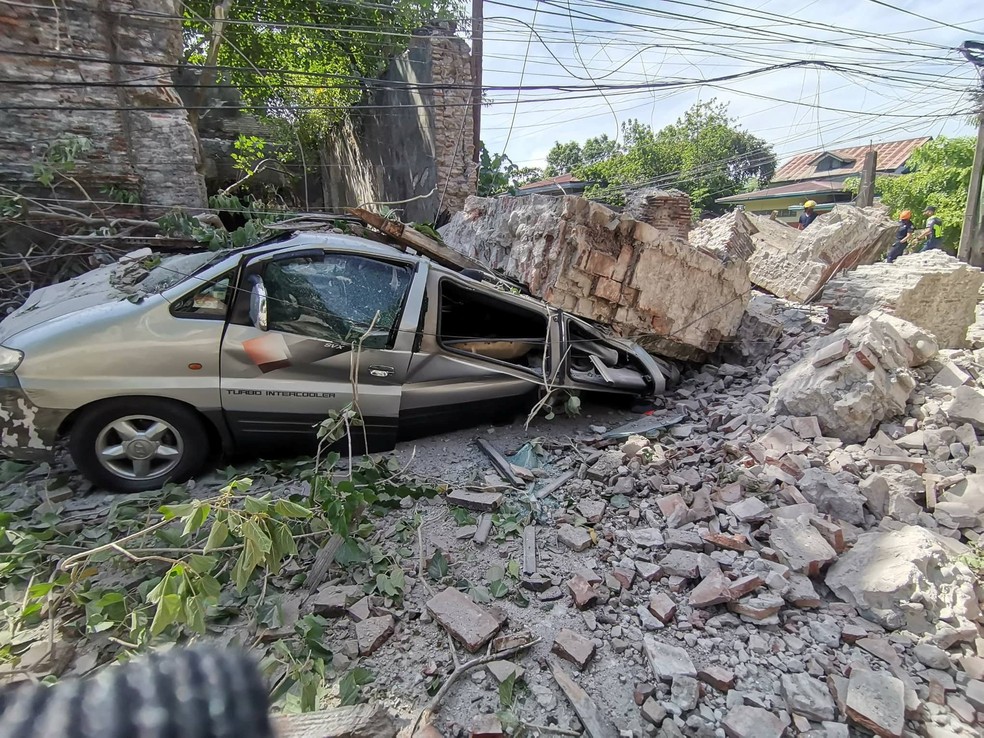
(866, 195)
(972, 234)
(478, 28)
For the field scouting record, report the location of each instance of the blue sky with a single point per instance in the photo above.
(898, 76)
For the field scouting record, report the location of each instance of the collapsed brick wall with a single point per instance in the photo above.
(666, 210)
(932, 290)
(578, 255)
(408, 141)
(153, 152)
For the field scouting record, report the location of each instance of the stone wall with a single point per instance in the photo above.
(796, 264)
(411, 138)
(152, 152)
(932, 290)
(672, 297)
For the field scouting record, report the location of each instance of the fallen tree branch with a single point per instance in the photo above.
(433, 706)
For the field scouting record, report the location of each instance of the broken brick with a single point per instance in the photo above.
(584, 593)
(469, 624)
(573, 647)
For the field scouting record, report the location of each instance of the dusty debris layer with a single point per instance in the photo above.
(676, 298)
(934, 290)
(797, 264)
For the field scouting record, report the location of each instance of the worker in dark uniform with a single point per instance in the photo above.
(934, 229)
(808, 215)
(902, 235)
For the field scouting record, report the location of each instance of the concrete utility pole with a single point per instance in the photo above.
(866, 195)
(478, 28)
(972, 234)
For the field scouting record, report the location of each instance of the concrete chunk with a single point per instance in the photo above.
(876, 701)
(807, 696)
(576, 539)
(745, 721)
(480, 501)
(796, 264)
(469, 624)
(800, 546)
(668, 661)
(372, 633)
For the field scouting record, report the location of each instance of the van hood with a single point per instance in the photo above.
(124, 280)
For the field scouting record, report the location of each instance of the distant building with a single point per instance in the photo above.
(820, 176)
(565, 184)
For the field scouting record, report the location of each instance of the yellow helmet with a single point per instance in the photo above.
(809, 204)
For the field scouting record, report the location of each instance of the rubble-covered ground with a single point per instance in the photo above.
(719, 568)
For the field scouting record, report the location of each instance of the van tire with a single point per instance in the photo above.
(197, 692)
(184, 436)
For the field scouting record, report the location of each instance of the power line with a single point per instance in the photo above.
(934, 21)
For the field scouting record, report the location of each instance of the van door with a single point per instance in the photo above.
(282, 372)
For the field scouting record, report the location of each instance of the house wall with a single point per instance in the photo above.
(152, 153)
(408, 142)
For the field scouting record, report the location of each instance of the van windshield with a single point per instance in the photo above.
(175, 269)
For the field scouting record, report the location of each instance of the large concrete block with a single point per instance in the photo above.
(796, 264)
(932, 290)
(867, 381)
(676, 297)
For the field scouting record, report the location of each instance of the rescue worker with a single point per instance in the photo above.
(902, 235)
(808, 215)
(934, 229)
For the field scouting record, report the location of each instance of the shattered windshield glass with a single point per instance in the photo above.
(173, 269)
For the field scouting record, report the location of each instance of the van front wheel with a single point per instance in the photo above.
(136, 445)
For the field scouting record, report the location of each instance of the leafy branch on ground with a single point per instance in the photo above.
(160, 567)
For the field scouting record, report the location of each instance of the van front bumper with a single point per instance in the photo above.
(27, 432)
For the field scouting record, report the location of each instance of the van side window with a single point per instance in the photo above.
(210, 300)
(337, 297)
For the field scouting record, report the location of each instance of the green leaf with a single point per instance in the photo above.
(512, 569)
(495, 573)
(169, 610)
(506, 691)
(177, 511)
(498, 589)
(197, 518)
(195, 614)
(201, 564)
(243, 570)
(438, 567)
(350, 552)
(480, 594)
(256, 505)
(349, 692)
(289, 509)
(217, 536)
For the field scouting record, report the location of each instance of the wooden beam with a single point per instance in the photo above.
(410, 238)
(357, 721)
(500, 462)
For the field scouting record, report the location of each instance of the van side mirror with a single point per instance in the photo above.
(258, 303)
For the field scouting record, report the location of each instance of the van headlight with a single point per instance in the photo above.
(10, 359)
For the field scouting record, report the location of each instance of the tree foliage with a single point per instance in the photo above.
(306, 60)
(939, 175)
(704, 153)
(498, 175)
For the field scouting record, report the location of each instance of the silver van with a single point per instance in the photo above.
(148, 369)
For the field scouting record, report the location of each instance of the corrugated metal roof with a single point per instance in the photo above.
(808, 187)
(562, 179)
(891, 156)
